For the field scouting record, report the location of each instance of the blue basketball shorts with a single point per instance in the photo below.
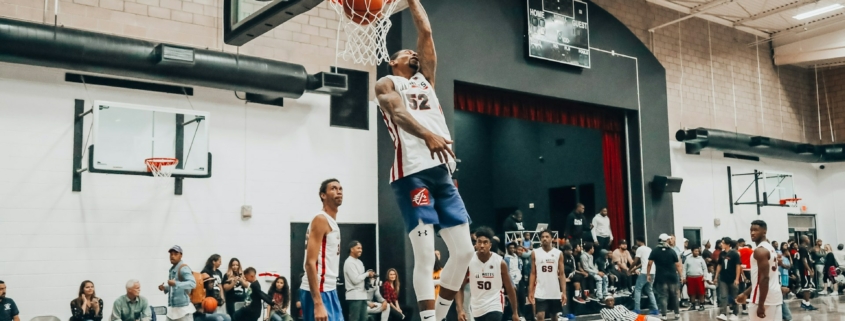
(330, 301)
(430, 196)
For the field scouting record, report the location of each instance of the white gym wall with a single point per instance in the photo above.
(704, 196)
(120, 227)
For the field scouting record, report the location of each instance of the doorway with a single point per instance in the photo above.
(562, 200)
(802, 225)
(693, 235)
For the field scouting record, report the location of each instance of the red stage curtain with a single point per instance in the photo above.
(502, 103)
(614, 185)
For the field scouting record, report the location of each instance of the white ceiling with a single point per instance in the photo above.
(819, 40)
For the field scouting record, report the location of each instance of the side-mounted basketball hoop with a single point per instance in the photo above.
(365, 23)
(762, 189)
(161, 167)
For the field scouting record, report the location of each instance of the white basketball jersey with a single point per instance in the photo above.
(774, 297)
(411, 153)
(547, 284)
(328, 261)
(485, 282)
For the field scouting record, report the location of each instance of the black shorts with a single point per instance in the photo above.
(806, 282)
(577, 277)
(492, 316)
(550, 307)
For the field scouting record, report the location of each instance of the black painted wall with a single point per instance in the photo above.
(482, 42)
(501, 166)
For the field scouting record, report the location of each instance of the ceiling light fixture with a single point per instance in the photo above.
(818, 11)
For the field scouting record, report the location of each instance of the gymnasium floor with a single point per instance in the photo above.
(830, 308)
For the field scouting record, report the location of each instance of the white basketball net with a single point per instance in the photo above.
(161, 167)
(365, 32)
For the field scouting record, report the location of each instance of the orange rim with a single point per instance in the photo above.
(787, 200)
(158, 162)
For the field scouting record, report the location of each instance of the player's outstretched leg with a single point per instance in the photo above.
(459, 243)
(422, 241)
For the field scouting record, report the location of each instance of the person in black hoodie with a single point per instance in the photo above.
(572, 267)
(252, 310)
(577, 227)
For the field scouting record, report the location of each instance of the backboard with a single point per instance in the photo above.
(124, 135)
(761, 188)
(245, 20)
(777, 186)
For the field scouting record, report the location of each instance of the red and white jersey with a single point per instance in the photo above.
(547, 286)
(774, 297)
(485, 284)
(411, 153)
(328, 260)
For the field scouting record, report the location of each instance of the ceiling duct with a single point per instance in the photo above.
(760, 146)
(58, 47)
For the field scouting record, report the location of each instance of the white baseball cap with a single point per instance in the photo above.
(663, 237)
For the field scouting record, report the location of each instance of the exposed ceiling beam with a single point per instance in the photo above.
(711, 18)
(773, 11)
(695, 11)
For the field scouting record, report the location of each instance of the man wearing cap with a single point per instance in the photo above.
(669, 269)
(180, 282)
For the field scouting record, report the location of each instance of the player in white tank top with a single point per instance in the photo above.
(763, 263)
(547, 283)
(488, 279)
(328, 259)
(412, 155)
(322, 258)
(422, 166)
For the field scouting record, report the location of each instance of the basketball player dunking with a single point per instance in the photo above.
(421, 173)
(487, 276)
(318, 293)
(765, 294)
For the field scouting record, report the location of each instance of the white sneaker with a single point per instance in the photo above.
(663, 317)
(677, 316)
(733, 318)
(722, 317)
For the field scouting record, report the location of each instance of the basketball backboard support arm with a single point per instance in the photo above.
(781, 192)
(79, 150)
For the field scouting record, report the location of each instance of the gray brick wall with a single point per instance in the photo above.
(728, 91)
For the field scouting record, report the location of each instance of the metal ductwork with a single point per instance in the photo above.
(700, 138)
(65, 48)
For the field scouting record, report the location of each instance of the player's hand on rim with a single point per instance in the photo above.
(439, 146)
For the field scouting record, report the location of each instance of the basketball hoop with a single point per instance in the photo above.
(785, 201)
(365, 23)
(161, 166)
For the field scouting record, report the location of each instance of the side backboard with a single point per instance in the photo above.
(124, 135)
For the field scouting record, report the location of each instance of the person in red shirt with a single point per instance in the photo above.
(744, 254)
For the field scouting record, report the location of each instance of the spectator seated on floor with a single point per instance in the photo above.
(613, 312)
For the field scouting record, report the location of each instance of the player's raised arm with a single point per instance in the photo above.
(425, 43)
(392, 104)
